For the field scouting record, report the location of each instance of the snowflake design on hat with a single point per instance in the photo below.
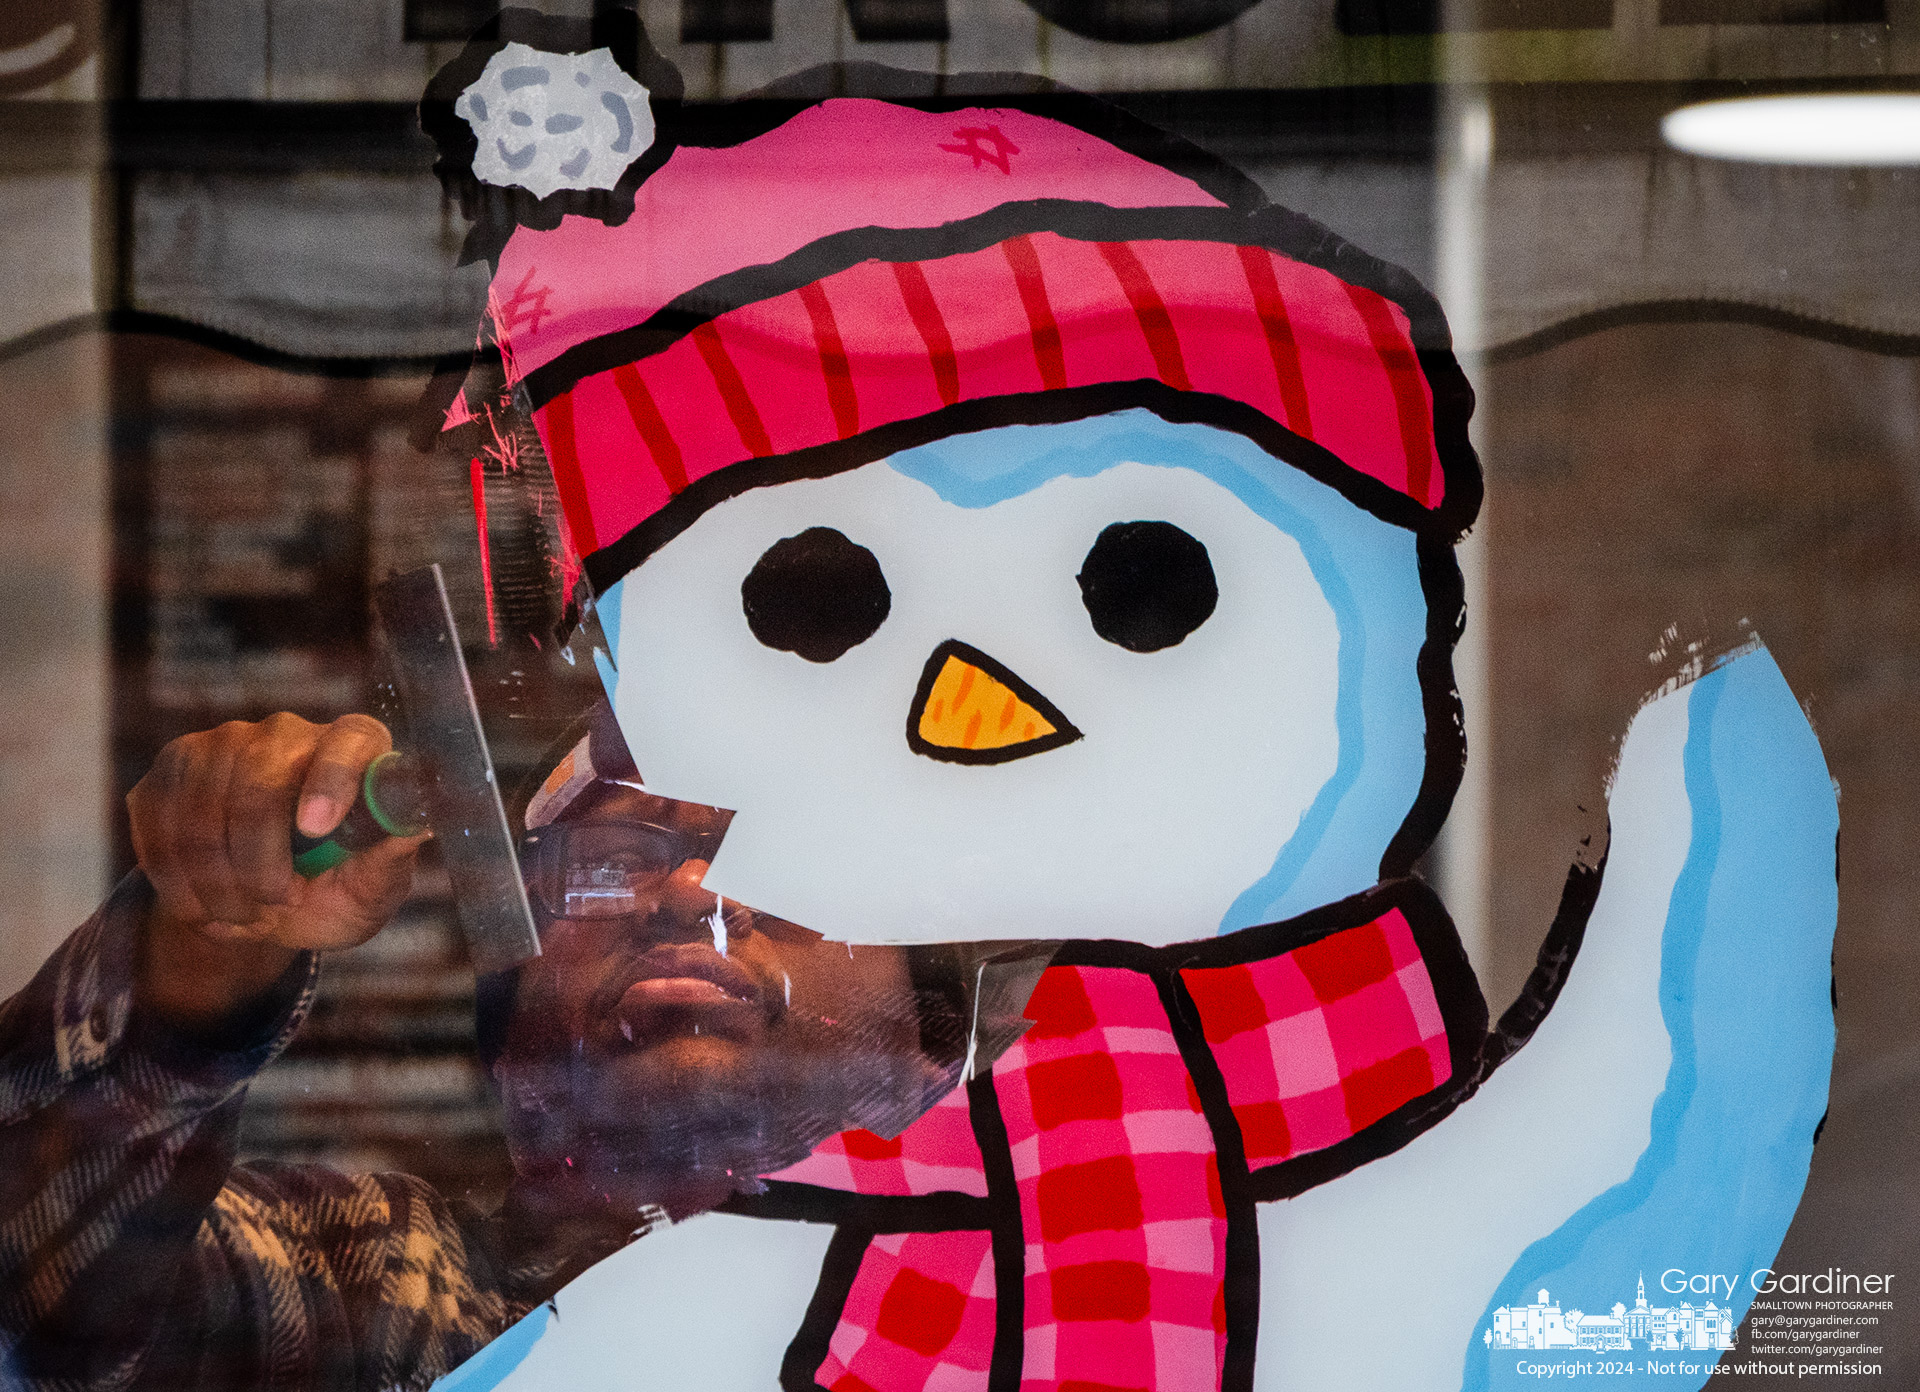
(552, 121)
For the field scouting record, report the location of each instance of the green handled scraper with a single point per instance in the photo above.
(442, 779)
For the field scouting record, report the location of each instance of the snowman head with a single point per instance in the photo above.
(1020, 526)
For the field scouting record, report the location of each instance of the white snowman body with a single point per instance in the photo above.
(1256, 768)
(1662, 1116)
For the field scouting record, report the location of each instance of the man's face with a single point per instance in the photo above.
(668, 1045)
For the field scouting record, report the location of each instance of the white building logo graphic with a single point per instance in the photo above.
(1544, 1325)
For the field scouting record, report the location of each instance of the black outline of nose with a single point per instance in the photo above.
(1064, 731)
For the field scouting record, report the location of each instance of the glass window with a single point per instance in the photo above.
(949, 693)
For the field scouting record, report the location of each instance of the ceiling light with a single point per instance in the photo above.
(1838, 129)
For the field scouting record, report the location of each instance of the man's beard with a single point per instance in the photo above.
(636, 1127)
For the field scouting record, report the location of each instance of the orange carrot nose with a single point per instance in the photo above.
(970, 709)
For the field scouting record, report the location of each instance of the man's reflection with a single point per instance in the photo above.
(667, 1049)
(669, 1045)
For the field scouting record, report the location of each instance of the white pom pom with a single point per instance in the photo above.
(551, 121)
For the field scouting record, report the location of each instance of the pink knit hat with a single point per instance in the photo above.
(869, 275)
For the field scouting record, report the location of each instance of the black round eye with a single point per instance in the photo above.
(816, 594)
(1147, 585)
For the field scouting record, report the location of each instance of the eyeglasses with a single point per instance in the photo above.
(602, 869)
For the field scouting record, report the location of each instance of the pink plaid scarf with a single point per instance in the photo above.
(1112, 1157)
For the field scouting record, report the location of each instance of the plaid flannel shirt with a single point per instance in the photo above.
(134, 1253)
(1080, 1215)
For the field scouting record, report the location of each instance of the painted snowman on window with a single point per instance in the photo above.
(1030, 532)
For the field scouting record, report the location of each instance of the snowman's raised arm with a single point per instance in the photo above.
(1661, 1117)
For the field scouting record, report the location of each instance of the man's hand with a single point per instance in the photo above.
(212, 826)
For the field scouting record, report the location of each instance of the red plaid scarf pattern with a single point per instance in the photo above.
(1116, 1165)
